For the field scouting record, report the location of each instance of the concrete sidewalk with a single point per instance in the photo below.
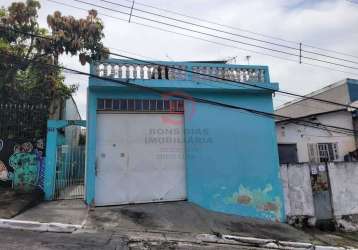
(64, 211)
(187, 218)
(182, 216)
(170, 222)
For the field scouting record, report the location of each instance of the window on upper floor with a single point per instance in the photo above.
(323, 152)
(141, 105)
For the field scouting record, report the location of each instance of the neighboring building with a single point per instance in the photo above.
(70, 112)
(146, 146)
(299, 143)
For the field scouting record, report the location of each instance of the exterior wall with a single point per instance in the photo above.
(302, 135)
(344, 185)
(224, 147)
(300, 200)
(337, 92)
(296, 180)
(227, 173)
(224, 166)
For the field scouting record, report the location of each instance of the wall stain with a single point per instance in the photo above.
(269, 206)
(260, 199)
(244, 199)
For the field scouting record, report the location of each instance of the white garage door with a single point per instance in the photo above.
(140, 158)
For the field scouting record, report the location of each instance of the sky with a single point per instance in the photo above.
(330, 24)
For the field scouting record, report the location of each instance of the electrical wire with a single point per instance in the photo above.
(240, 29)
(223, 31)
(203, 74)
(216, 36)
(298, 121)
(238, 82)
(206, 40)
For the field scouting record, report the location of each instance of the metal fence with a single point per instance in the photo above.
(23, 121)
(23, 129)
(70, 170)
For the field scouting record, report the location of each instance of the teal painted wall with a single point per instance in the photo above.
(232, 162)
(231, 155)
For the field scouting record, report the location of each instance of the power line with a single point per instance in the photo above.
(195, 24)
(211, 22)
(298, 121)
(223, 31)
(203, 39)
(237, 82)
(203, 74)
(219, 37)
(240, 29)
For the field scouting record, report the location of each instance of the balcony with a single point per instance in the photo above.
(180, 71)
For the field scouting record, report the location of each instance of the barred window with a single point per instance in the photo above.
(323, 152)
(108, 104)
(141, 105)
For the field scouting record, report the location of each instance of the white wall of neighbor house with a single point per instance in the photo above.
(70, 112)
(337, 92)
(343, 179)
(296, 182)
(344, 185)
(290, 133)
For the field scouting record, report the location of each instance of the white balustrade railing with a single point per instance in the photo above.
(175, 72)
(234, 73)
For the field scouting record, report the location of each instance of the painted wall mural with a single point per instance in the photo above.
(259, 199)
(21, 164)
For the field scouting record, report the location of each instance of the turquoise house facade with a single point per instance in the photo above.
(230, 156)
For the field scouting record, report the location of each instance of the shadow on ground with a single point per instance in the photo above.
(13, 203)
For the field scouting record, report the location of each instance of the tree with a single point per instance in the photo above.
(23, 76)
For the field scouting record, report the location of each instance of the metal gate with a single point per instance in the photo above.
(70, 170)
(321, 190)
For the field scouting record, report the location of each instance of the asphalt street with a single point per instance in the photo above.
(30, 240)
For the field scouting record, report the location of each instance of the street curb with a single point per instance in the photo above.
(205, 238)
(265, 243)
(39, 226)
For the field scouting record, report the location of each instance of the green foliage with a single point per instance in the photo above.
(82, 36)
(30, 80)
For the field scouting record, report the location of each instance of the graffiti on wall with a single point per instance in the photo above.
(20, 164)
(4, 174)
(259, 199)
